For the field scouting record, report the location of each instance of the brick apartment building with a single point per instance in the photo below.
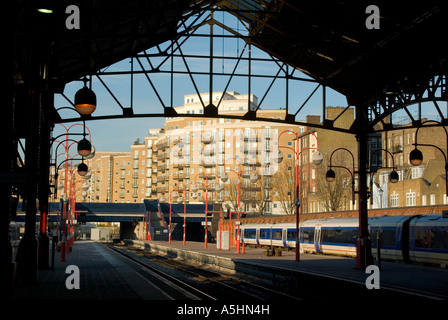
(193, 151)
(418, 185)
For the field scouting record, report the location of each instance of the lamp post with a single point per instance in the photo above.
(416, 156)
(253, 178)
(330, 175)
(169, 198)
(317, 159)
(85, 150)
(393, 176)
(195, 188)
(185, 215)
(363, 245)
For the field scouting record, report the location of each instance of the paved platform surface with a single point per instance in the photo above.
(427, 281)
(105, 275)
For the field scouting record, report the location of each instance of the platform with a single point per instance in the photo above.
(103, 275)
(417, 280)
(107, 276)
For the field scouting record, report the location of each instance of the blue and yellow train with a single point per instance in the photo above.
(417, 238)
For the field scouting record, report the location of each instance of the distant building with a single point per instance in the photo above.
(190, 151)
(418, 185)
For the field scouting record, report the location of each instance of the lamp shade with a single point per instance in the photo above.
(278, 158)
(85, 101)
(317, 158)
(224, 177)
(393, 176)
(253, 177)
(330, 175)
(82, 169)
(84, 147)
(416, 157)
(92, 153)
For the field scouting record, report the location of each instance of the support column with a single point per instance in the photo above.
(363, 252)
(6, 165)
(44, 183)
(28, 246)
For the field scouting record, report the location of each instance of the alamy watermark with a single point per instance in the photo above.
(72, 281)
(73, 21)
(373, 280)
(373, 20)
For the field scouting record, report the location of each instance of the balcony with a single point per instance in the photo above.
(207, 140)
(161, 145)
(252, 139)
(250, 150)
(208, 163)
(207, 151)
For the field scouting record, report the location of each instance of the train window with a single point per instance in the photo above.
(277, 234)
(291, 235)
(265, 233)
(250, 233)
(345, 236)
(387, 237)
(435, 239)
(308, 235)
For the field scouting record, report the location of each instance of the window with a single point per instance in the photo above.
(416, 172)
(432, 199)
(345, 235)
(394, 199)
(410, 199)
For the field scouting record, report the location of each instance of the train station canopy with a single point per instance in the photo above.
(327, 40)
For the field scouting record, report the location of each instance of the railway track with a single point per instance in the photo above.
(202, 283)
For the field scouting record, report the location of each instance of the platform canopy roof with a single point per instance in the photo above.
(327, 40)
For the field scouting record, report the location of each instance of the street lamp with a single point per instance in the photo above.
(317, 159)
(330, 175)
(253, 177)
(84, 147)
(195, 188)
(416, 156)
(85, 100)
(82, 169)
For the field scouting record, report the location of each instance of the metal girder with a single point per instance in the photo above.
(432, 90)
(161, 59)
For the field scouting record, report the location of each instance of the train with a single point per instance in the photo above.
(415, 238)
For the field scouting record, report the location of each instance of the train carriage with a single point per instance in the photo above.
(393, 234)
(249, 233)
(329, 236)
(428, 239)
(402, 238)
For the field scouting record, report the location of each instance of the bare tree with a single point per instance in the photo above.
(331, 194)
(284, 179)
(262, 187)
(231, 193)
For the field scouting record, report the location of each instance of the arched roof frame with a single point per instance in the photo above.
(379, 71)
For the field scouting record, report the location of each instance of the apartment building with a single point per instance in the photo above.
(418, 185)
(189, 155)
